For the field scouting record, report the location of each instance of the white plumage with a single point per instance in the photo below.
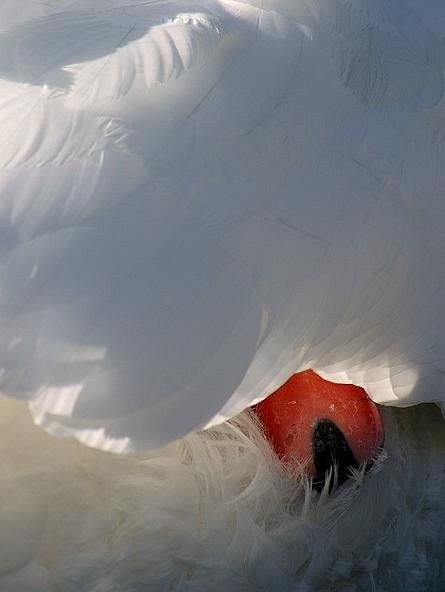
(197, 199)
(215, 511)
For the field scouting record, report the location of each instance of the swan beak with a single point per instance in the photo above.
(322, 426)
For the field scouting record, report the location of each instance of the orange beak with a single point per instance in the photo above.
(320, 424)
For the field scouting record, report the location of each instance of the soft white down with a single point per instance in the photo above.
(200, 197)
(215, 512)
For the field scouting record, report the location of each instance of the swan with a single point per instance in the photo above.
(199, 199)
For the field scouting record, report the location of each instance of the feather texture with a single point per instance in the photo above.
(200, 198)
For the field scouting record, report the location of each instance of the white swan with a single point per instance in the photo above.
(198, 198)
(201, 197)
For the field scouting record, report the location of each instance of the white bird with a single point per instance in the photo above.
(201, 197)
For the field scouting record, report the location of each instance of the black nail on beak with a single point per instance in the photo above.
(331, 452)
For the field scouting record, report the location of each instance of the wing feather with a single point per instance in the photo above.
(199, 198)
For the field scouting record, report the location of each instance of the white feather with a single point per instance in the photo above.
(215, 510)
(200, 198)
